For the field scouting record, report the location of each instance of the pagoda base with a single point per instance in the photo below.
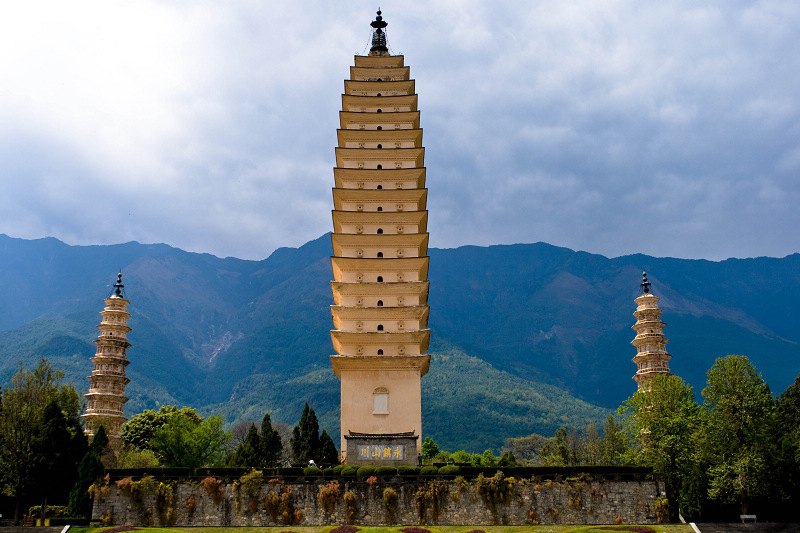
(390, 449)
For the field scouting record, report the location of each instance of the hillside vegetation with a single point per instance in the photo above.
(525, 337)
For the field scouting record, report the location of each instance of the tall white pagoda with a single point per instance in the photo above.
(106, 397)
(380, 260)
(651, 358)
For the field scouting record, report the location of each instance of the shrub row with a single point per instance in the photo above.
(364, 472)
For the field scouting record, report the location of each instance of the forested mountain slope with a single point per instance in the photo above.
(523, 335)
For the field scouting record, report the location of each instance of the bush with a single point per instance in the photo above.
(251, 482)
(366, 471)
(662, 510)
(337, 470)
(349, 471)
(408, 470)
(311, 471)
(449, 470)
(213, 487)
(390, 502)
(429, 471)
(328, 495)
(350, 508)
(329, 472)
(53, 511)
(386, 471)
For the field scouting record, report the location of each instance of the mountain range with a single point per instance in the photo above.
(525, 337)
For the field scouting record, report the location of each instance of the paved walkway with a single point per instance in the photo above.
(749, 527)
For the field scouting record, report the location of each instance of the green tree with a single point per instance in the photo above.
(556, 452)
(183, 442)
(328, 452)
(488, 459)
(24, 448)
(429, 449)
(591, 446)
(140, 430)
(249, 452)
(527, 449)
(305, 437)
(271, 444)
(665, 421)
(62, 444)
(615, 442)
(788, 412)
(460, 457)
(90, 469)
(739, 411)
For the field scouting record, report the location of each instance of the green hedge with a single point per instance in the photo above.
(158, 472)
(312, 471)
(408, 470)
(449, 470)
(349, 471)
(429, 471)
(337, 470)
(386, 471)
(366, 471)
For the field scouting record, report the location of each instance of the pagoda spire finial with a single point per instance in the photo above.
(378, 35)
(645, 284)
(118, 286)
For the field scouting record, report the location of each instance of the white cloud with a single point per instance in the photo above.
(211, 126)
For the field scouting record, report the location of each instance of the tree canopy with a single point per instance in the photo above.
(305, 437)
(739, 430)
(40, 433)
(664, 420)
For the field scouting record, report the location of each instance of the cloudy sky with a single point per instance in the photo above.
(615, 127)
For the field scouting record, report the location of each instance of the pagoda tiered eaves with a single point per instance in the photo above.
(387, 88)
(387, 121)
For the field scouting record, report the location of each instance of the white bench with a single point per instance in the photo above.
(746, 517)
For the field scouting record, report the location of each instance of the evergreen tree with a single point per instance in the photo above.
(591, 446)
(90, 470)
(615, 442)
(507, 460)
(739, 447)
(556, 452)
(249, 452)
(328, 452)
(271, 444)
(62, 448)
(305, 437)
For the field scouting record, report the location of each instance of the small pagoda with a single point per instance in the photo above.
(380, 260)
(651, 358)
(106, 397)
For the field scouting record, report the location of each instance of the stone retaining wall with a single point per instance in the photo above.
(578, 500)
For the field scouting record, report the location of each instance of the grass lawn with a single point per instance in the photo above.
(658, 528)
